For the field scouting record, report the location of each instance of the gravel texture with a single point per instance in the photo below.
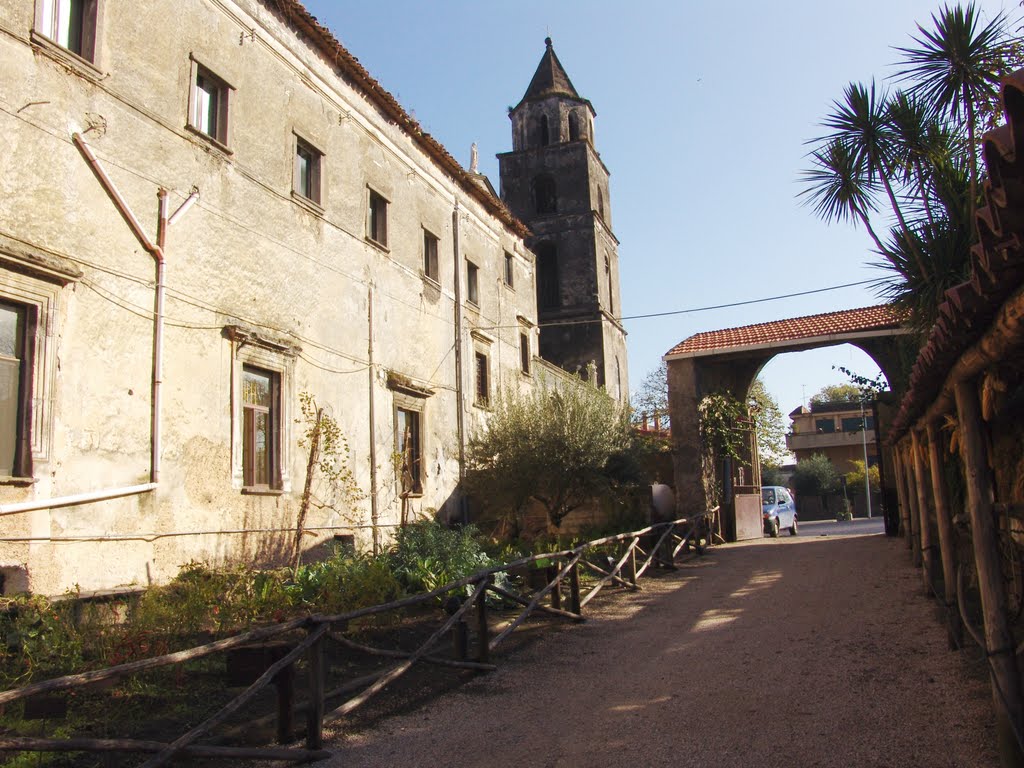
(806, 651)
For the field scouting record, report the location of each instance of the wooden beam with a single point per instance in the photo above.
(915, 514)
(901, 492)
(999, 643)
(924, 523)
(944, 518)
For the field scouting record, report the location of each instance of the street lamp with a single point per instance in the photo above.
(864, 442)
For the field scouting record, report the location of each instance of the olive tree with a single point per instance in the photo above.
(560, 446)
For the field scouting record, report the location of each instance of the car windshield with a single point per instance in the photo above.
(767, 495)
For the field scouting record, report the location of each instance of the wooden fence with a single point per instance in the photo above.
(663, 542)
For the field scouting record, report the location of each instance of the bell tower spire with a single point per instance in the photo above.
(555, 182)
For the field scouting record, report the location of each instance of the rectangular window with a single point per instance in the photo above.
(509, 271)
(472, 283)
(483, 384)
(71, 24)
(377, 219)
(853, 423)
(306, 176)
(407, 439)
(209, 111)
(17, 342)
(524, 352)
(825, 425)
(430, 266)
(260, 428)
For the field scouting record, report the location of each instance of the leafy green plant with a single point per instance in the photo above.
(40, 639)
(559, 446)
(328, 460)
(343, 583)
(428, 555)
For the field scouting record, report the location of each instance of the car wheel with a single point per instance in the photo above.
(792, 528)
(775, 528)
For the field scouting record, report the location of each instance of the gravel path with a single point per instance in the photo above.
(807, 651)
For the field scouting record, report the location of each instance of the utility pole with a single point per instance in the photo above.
(864, 442)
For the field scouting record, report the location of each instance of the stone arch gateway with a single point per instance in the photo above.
(730, 359)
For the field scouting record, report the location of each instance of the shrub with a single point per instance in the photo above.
(344, 583)
(429, 555)
(40, 639)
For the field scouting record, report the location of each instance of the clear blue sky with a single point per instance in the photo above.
(702, 117)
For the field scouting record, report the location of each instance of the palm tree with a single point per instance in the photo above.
(956, 67)
(838, 188)
(860, 122)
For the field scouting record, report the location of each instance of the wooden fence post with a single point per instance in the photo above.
(999, 642)
(946, 542)
(574, 589)
(631, 565)
(556, 591)
(315, 712)
(483, 630)
(460, 640)
(915, 515)
(901, 493)
(921, 487)
(284, 682)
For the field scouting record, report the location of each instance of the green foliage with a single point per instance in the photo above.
(345, 582)
(869, 389)
(561, 446)
(837, 393)
(330, 481)
(814, 476)
(845, 510)
(904, 163)
(40, 639)
(428, 555)
(652, 397)
(772, 475)
(719, 415)
(855, 478)
(771, 434)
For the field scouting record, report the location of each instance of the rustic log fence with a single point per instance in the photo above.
(465, 597)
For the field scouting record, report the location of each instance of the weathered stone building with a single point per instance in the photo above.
(554, 180)
(208, 208)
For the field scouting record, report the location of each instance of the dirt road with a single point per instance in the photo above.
(806, 651)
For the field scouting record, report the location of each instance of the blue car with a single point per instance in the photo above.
(778, 510)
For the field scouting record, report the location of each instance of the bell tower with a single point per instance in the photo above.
(554, 181)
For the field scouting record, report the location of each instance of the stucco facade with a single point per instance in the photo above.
(834, 430)
(305, 258)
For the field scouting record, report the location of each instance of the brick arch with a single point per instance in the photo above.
(730, 359)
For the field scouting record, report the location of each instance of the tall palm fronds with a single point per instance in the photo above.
(957, 66)
(906, 162)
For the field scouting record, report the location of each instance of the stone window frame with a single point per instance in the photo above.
(43, 35)
(509, 274)
(483, 386)
(377, 218)
(221, 136)
(254, 349)
(407, 396)
(525, 346)
(431, 260)
(472, 283)
(313, 197)
(36, 280)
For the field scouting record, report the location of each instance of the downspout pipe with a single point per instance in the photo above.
(157, 251)
(460, 416)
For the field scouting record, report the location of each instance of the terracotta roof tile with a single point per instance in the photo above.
(845, 321)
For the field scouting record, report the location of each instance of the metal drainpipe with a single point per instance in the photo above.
(158, 255)
(374, 513)
(460, 418)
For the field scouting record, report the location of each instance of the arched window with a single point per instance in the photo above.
(611, 289)
(574, 127)
(545, 195)
(543, 132)
(548, 295)
(600, 202)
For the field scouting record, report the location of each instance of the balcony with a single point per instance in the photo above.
(809, 441)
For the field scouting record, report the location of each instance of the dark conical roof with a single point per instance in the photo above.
(550, 78)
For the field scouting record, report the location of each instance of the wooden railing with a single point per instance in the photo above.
(562, 568)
